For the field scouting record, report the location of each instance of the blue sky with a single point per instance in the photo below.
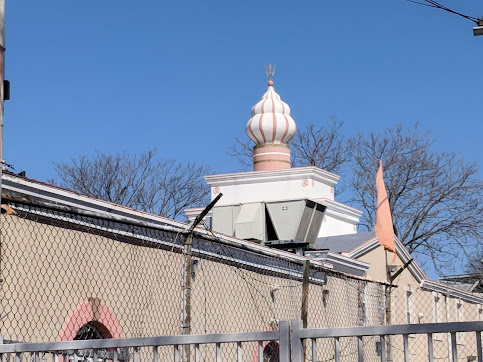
(182, 76)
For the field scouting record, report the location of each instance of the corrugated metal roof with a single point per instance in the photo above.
(342, 243)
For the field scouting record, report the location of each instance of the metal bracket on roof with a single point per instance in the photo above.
(396, 274)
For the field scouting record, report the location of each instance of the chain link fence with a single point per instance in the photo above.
(70, 276)
(413, 304)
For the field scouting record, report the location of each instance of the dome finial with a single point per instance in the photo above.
(271, 128)
(270, 72)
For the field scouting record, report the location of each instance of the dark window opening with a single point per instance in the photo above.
(271, 352)
(92, 330)
(97, 330)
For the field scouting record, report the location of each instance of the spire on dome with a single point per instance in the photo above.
(270, 73)
(271, 128)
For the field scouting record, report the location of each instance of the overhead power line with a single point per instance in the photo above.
(434, 4)
(478, 30)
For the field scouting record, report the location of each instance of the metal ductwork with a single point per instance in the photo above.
(287, 221)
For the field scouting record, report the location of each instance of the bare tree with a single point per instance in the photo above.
(313, 146)
(144, 182)
(320, 146)
(475, 263)
(435, 198)
(242, 150)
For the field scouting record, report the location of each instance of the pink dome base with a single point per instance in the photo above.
(269, 157)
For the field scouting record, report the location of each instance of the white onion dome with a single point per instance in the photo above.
(271, 121)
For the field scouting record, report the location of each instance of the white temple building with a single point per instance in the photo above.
(294, 209)
(276, 203)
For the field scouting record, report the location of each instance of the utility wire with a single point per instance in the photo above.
(434, 4)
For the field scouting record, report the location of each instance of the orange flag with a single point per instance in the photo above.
(384, 227)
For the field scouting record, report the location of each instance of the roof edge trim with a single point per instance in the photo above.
(450, 291)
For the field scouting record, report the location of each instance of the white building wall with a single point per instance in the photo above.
(332, 227)
(301, 183)
(277, 190)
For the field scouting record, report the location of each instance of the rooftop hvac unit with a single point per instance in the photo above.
(298, 220)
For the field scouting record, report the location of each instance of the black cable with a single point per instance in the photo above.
(434, 4)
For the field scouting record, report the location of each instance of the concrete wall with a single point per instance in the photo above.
(57, 278)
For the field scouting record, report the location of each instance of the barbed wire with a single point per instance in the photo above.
(57, 265)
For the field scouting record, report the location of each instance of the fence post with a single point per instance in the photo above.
(388, 320)
(284, 341)
(187, 277)
(305, 299)
(479, 350)
(297, 344)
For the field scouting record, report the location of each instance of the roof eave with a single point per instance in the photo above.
(401, 252)
(434, 286)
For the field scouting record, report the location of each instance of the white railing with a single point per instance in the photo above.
(293, 344)
(384, 333)
(129, 349)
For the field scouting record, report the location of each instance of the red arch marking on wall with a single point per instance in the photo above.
(85, 313)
